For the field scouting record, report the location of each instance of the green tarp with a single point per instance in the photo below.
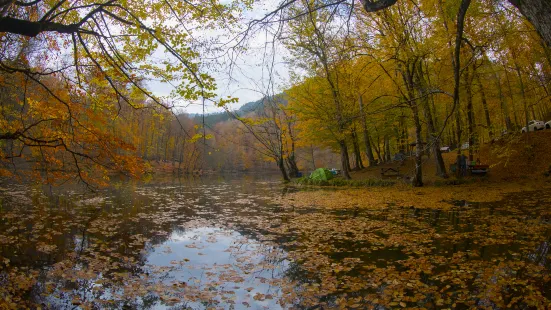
(321, 174)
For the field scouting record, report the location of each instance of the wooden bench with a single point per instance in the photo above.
(387, 172)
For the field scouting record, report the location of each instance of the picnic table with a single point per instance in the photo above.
(478, 169)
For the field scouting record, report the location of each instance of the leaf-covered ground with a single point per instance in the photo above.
(257, 244)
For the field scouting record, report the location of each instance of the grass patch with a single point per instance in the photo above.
(343, 182)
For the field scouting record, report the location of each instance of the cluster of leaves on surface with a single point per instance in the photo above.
(304, 249)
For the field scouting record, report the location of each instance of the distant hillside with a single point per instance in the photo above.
(215, 118)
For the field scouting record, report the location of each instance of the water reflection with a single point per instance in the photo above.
(220, 266)
(124, 246)
(224, 243)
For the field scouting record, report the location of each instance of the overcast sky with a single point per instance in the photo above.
(250, 77)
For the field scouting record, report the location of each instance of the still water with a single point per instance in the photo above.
(229, 243)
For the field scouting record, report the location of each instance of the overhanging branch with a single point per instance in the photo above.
(32, 29)
(374, 6)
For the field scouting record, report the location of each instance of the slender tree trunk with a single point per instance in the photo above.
(545, 107)
(428, 150)
(358, 165)
(485, 106)
(524, 103)
(384, 147)
(404, 138)
(388, 156)
(182, 155)
(451, 134)
(503, 102)
(190, 165)
(348, 158)
(511, 95)
(432, 137)
(175, 150)
(470, 114)
(367, 143)
(312, 156)
(144, 141)
(431, 98)
(291, 160)
(463, 7)
(166, 149)
(377, 149)
(408, 74)
(418, 179)
(322, 56)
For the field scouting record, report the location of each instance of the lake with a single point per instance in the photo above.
(236, 242)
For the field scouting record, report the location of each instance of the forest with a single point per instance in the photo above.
(118, 193)
(363, 85)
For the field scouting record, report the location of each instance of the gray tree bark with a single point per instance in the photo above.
(538, 13)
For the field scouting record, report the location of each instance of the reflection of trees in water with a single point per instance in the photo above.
(542, 254)
(64, 235)
(99, 248)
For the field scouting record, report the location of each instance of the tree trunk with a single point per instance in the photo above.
(538, 13)
(358, 165)
(524, 103)
(281, 166)
(404, 138)
(408, 74)
(367, 143)
(511, 95)
(175, 150)
(292, 164)
(347, 154)
(451, 131)
(470, 114)
(312, 156)
(345, 164)
(418, 179)
(433, 136)
(503, 102)
(388, 156)
(463, 7)
(291, 161)
(485, 107)
(377, 149)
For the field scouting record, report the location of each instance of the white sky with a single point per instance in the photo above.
(250, 76)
